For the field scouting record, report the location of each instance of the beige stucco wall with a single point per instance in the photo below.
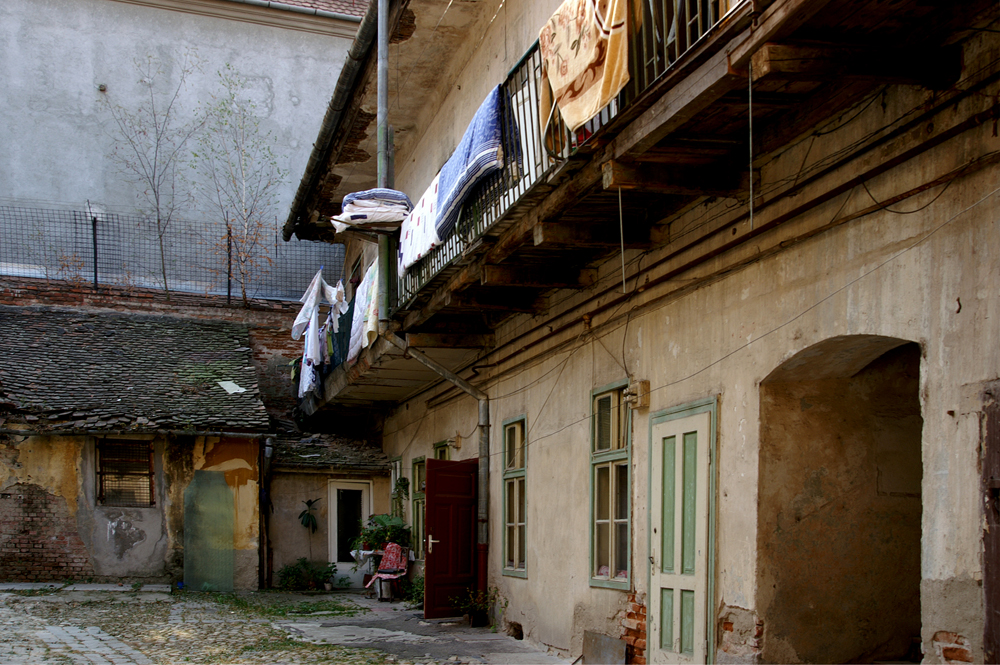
(289, 540)
(144, 544)
(929, 277)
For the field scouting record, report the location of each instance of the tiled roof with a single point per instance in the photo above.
(74, 371)
(349, 7)
(327, 451)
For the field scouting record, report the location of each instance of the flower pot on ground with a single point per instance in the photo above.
(478, 604)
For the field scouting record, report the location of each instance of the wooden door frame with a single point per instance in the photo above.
(710, 405)
(331, 513)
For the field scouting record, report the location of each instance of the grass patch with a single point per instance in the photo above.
(262, 606)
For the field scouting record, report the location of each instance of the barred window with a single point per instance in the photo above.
(125, 473)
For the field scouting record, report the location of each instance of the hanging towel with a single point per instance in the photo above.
(478, 154)
(584, 49)
(418, 236)
(365, 307)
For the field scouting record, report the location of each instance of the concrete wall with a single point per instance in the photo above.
(718, 330)
(124, 543)
(55, 54)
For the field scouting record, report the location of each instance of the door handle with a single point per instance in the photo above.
(430, 543)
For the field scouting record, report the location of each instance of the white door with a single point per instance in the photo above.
(680, 487)
(349, 503)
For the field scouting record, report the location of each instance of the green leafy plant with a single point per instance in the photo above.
(381, 529)
(413, 589)
(304, 575)
(307, 517)
(478, 603)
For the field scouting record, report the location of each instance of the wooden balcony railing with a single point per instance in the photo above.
(670, 28)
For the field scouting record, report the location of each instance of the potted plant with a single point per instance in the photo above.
(382, 529)
(478, 603)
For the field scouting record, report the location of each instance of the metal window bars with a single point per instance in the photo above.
(668, 30)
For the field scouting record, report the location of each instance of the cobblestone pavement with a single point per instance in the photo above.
(122, 628)
(91, 625)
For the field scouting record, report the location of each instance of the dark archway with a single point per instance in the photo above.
(839, 514)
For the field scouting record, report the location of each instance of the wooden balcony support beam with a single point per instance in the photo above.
(935, 68)
(662, 179)
(587, 236)
(437, 341)
(507, 304)
(539, 277)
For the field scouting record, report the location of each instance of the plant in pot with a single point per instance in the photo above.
(382, 529)
(478, 603)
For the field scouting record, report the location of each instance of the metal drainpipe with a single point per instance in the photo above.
(382, 124)
(483, 493)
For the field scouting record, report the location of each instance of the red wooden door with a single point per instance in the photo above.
(991, 535)
(450, 550)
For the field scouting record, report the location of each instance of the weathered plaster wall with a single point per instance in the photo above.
(55, 54)
(289, 540)
(927, 276)
(839, 525)
(143, 544)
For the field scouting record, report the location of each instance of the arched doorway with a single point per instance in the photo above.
(839, 514)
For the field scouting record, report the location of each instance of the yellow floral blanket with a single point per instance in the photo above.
(584, 48)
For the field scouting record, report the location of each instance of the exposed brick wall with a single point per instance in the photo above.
(634, 629)
(38, 538)
(739, 635)
(952, 647)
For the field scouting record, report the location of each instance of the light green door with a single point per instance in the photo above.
(679, 509)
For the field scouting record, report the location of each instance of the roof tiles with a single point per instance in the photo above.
(73, 371)
(327, 451)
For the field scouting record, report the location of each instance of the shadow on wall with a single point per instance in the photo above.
(840, 507)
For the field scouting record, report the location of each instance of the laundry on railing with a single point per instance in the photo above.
(373, 208)
(316, 348)
(478, 153)
(364, 326)
(584, 48)
(417, 235)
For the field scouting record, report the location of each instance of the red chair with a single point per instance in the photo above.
(392, 567)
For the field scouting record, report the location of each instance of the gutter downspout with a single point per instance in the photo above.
(483, 493)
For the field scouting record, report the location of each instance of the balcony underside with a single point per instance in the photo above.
(682, 141)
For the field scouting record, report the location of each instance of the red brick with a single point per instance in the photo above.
(946, 636)
(640, 644)
(957, 654)
(639, 660)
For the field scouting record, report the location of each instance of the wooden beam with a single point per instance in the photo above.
(511, 305)
(435, 341)
(777, 22)
(692, 95)
(584, 236)
(932, 68)
(661, 179)
(544, 277)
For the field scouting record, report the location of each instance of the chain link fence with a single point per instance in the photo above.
(123, 250)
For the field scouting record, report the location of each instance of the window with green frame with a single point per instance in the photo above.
(441, 451)
(515, 503)
(609, 478)
(418, 489)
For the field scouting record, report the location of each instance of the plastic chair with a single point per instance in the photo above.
(393, 566)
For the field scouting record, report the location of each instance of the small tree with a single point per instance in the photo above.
(241, 178)
(151, 142)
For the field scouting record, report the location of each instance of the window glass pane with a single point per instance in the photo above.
(419, 477)
(125, 473)
(621, 491)
(602, 550)
(602, 428)
(521, 539)
(511, 514)
(520, 501)
(621, 550)
(510, 546)
(519, 448)
(602, 493)
(509, 445)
